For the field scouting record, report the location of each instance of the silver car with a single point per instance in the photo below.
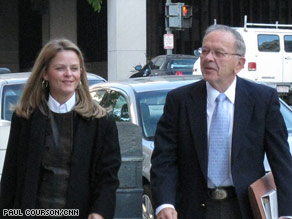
(141, 101)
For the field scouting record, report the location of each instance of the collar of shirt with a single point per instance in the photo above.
(212, 93)
(56, 107)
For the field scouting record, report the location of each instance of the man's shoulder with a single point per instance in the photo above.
(189, 88)
(255, 87)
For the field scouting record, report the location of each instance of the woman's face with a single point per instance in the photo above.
(63, 75)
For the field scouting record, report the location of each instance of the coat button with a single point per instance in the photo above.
(203, 205)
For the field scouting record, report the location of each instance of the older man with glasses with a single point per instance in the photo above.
(211, 139)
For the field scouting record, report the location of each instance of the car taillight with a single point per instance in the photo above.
(252, 66)
(179, 73)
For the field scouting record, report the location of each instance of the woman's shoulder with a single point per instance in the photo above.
(106, 119)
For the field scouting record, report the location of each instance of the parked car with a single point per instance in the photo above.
(4, 133)
(4, 70)
(175, 64)
(141, 101)
(11, 87)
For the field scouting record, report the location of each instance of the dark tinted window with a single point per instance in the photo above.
(182, 63)
(158, 63)
(268, 43)
(287, 114)
(288, 43)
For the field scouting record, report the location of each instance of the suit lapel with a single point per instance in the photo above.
(196, 108)
(197, 112)
(243, 108)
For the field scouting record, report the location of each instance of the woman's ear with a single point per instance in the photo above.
(45, 76)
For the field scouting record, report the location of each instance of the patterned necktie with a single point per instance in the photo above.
(218, 160)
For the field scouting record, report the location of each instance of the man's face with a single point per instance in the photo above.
(219, 61)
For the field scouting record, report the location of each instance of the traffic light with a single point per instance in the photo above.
(187, 16)
(178, 15)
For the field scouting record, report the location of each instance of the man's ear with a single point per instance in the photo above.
(240, 64)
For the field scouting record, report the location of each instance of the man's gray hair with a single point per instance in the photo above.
(239, 42)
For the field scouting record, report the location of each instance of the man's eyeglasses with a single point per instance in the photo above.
(217, 54)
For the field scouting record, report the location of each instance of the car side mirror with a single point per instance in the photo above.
(197, 52)
(138, 67)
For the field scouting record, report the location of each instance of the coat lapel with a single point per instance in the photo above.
(196, 108)
(35, 149)
(84, 133)
(243, 108)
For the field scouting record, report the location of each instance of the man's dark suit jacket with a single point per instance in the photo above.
(95, 162)
(180, 157)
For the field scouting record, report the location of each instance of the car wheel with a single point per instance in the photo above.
(148, 212)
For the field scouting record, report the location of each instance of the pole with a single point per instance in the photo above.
(168, 31)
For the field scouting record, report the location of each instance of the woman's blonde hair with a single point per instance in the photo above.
(35, 94)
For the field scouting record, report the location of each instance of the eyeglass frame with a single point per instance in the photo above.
(203, 51)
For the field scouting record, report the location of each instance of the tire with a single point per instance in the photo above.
(148, 212)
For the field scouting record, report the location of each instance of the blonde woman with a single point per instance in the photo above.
(63, 151)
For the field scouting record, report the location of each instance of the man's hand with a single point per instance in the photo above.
(95, 216)
(167, 213)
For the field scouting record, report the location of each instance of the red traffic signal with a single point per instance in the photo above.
(186, 10)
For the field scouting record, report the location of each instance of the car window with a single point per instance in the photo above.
(116, 104)
(98, 95)
(288, 43)
(157, 64)
(287, 114)
(11, 95)
(182, 63)
(268, 43)
(151, 108)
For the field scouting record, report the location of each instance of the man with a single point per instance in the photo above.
(189, 179)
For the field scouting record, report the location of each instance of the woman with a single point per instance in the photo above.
(63, 150)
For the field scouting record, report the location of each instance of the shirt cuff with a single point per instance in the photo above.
(160, 207)
(285, 217)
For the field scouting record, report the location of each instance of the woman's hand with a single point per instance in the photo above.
(95, 216)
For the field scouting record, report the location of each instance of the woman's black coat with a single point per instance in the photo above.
(95, 162)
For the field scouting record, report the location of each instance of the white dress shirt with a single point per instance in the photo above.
(56, 107)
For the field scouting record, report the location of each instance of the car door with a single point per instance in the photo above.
(269, 65)
(287, 65)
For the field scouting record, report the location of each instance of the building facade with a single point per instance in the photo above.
(124, 34)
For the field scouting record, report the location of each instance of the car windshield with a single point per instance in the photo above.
(287, 114)
(11, 94)
(151, 105)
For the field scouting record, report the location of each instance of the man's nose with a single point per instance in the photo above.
(210, 55)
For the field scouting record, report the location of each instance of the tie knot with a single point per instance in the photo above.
(221, 97)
